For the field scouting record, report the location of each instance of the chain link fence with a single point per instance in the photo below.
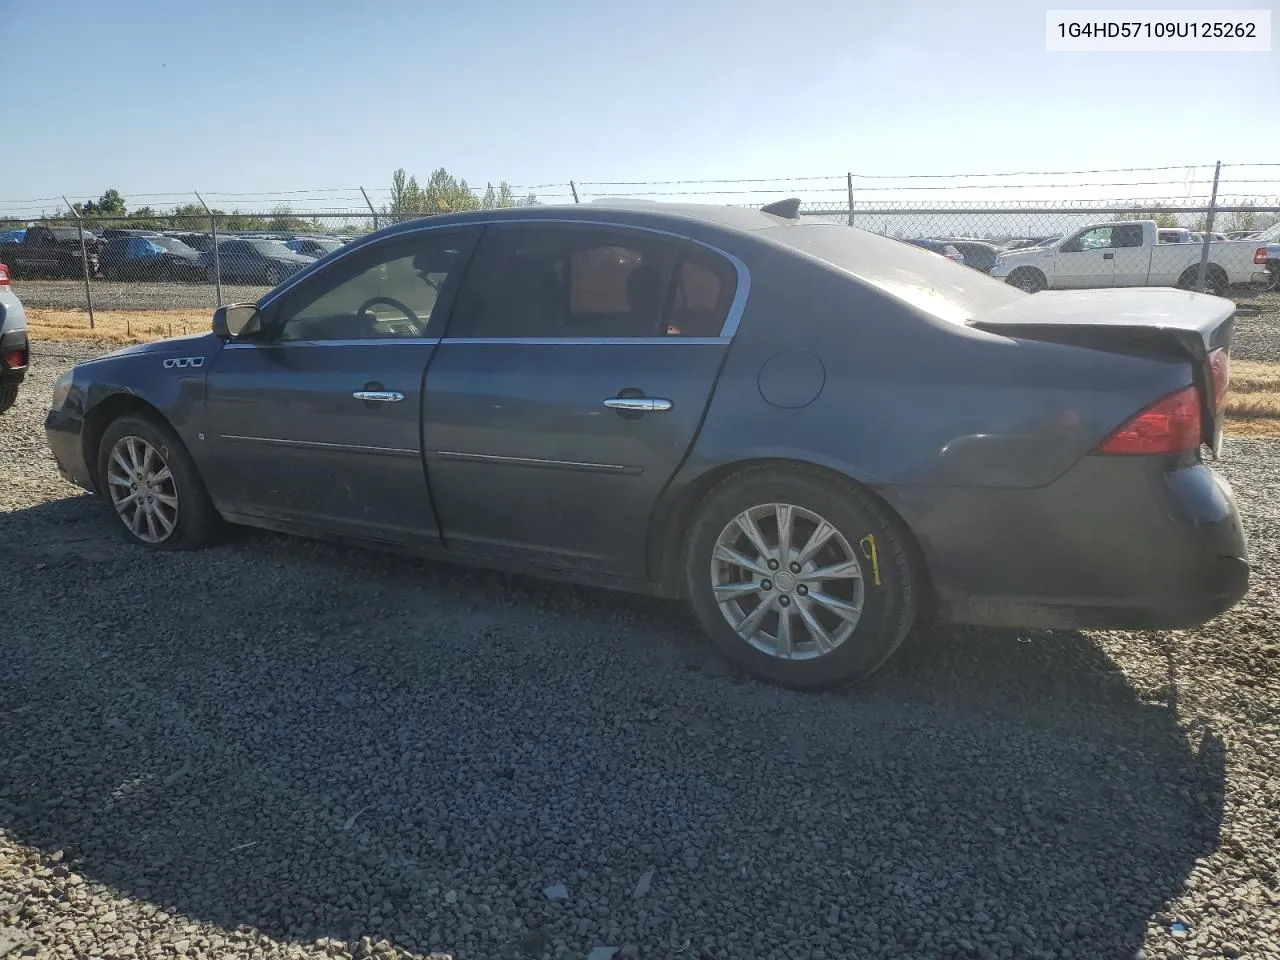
(166, 272)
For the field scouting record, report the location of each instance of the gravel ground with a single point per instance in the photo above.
(69, 295)
(277, 748)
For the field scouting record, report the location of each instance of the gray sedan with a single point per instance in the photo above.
(809, 433)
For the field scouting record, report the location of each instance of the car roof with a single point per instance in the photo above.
(628, 212)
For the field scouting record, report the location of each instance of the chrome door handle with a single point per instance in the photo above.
(379, 396)
(639, 404)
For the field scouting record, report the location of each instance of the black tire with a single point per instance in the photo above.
(887, 609)
(1028, 280)
(198, 522)
(273, 274)
(1215, 279)
(1273, 268)
(8, 395)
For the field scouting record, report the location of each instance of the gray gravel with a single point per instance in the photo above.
(277, 748)
(69, 294)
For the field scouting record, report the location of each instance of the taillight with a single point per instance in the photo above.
(13, 359)
(1260, 256)
(1220, 371)
(4, 275)
(1170, 425)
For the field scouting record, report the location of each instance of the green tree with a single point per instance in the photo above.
(1163, 218)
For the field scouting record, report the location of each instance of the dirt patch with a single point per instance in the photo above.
(115, 326)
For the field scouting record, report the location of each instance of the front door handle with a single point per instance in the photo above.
(379, 396)
(1108, 256)
(639, 404)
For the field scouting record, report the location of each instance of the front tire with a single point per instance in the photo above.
(273, 274)
(801, 580)
(150, 483)
(1028, 280)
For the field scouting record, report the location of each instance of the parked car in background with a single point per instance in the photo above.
(199, 242)
(1023, 243)
(1197, 237)
(1173, 235)
(112, 233)
(1125, 254)
(1269, 253)
(50, 252)
(254, 261)
(12, 236)
(680, 400)
(979, 254)
(1241, 234)
(15, 350)
(938, 247)
(155, 257)
(314, 247)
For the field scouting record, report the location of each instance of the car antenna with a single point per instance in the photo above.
(787, 209)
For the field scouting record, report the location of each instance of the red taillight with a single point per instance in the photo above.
(4, 275)
(13, 359)
(1220, 369)
(1260, 256)
(1170, 425)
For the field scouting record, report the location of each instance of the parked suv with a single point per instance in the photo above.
(15, 353)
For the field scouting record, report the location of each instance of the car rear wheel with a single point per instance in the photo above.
(273, 274)
(1215, 279)
(8, 395)
(799, 579)
(151, 484)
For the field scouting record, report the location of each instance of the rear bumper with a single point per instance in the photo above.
(1117, 542)
(67, 446)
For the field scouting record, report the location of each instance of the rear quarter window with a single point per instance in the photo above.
(927, 281)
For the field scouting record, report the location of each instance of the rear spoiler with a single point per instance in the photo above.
(1143, 321)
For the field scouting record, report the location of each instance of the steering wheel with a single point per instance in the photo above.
(390, 302)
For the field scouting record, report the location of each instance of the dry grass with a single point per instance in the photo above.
(115, 327)
(1253, 403)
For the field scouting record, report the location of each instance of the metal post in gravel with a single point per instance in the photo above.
(573, 187)
(217, 264)
(371, 210)
(1208, 227)
(84, 260)
(849, 181)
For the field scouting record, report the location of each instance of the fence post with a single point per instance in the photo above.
(849, 182)
(217, 264)
(1208, 227)
(84, 259)
(573, 188)
(371, 210)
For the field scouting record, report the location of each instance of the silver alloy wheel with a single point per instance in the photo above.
(142, 489)
(787, 581)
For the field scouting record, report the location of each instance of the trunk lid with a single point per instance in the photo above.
(1143, 321)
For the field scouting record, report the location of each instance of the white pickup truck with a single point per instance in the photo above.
(1128, 254)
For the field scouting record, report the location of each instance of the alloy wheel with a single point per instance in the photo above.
(787, 581)
(143, 490)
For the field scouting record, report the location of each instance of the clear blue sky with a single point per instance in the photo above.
(277, 95)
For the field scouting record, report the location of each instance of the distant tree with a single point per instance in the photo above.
(1163, 218)
(407, 198)
(1243, 219)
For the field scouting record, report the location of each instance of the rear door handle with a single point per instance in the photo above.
(639, 404)
(1108, 256)
(379, 396)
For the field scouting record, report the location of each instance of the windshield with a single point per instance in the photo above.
(170, 243)
(271, 248)
(933, 284)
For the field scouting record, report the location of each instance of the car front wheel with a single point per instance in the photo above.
(800, 579)
(151, 484)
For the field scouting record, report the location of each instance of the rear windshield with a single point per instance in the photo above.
(926, 280)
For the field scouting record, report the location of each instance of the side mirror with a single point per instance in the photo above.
(237, 321)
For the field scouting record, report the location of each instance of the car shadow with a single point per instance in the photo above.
(316, 742)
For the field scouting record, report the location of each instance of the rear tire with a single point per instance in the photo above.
(1028, 280)
(140, 457)
(826, 620)
(8, 395)
(1215, 279)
